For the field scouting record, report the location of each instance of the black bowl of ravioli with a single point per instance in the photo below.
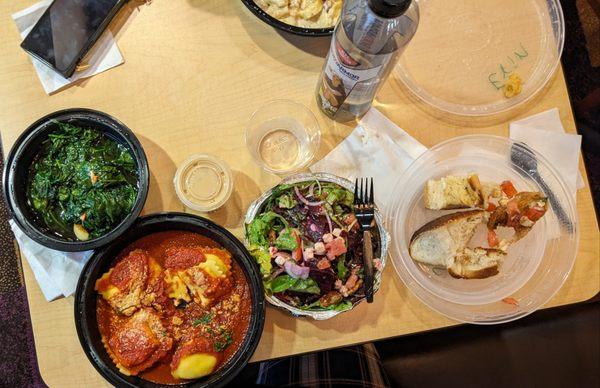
(150, 234)
(282, 26)
(76, 179)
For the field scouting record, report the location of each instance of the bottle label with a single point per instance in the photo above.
(341, 76)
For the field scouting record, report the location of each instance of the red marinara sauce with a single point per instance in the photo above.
(223, 323)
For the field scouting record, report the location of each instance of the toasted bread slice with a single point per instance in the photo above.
(478, 263)
(453, 192)
(441, 240)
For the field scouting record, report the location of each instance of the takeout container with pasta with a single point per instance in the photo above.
(176, 300)
(306, 18)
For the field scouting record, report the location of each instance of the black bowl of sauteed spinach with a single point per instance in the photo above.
(76, 179)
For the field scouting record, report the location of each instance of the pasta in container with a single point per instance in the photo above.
(304, 13)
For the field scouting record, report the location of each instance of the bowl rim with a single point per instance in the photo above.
(255, 326)
(30, 134)
(422, 292)
(255, 207)
(273, 22)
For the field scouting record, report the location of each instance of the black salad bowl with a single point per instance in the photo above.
(273, 22)
(86, 297)
(26, 148)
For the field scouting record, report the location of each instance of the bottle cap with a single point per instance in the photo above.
(389, 8)
(203, 183)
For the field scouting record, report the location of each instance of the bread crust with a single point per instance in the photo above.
(492, 270)
(479, 274)
(445, 220)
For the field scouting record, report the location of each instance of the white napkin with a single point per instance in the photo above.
(376, 148)
(56, 272)
(544, 133)
(103, 55)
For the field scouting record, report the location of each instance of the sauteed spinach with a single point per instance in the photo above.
(81, 184)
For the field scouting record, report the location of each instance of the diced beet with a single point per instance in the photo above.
(316, 224)
(325, 278)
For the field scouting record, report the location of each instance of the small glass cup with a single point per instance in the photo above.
(283, 136)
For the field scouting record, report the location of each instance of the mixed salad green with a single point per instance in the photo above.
(308, 245)
(81, 184)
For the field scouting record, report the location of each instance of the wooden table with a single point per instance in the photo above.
(195, 71)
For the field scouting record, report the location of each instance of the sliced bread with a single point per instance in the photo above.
(478, 263)
(441, 240)
(458, 192)
(453, 192)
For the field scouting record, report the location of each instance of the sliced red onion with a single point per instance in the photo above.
(304, 200)
(296, 271)
(276, 273)
(310, 190)
(328, 221)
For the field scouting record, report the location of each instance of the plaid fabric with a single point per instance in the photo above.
(357, 366)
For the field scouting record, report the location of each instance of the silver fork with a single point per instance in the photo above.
(364, 209)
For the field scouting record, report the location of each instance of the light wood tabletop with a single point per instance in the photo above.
(195, 71)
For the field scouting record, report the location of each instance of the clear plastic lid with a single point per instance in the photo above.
(203, 182)
(465, 51)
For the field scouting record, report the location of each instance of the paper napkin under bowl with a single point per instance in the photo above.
(56, 272)
(102, 56)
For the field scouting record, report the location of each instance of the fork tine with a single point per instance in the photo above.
(371, 197)
(360, 193)
(365, 190)
(356, 192)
